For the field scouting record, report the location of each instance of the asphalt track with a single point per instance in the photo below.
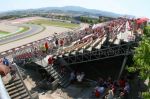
(33, 30)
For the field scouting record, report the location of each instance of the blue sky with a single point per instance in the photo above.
(140, 8)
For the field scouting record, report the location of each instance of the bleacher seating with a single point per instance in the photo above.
(83, 40)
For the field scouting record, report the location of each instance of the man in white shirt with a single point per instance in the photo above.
(80, 77)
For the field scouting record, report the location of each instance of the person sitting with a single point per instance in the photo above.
(99, 91)
(13, 70)
(126, 90)
(72, 76)
(80, 77)
(122, 83)
(100, 81)
(97, 94)
(110, 94)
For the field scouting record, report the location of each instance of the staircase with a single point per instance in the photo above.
(16, 90)
(55, 72)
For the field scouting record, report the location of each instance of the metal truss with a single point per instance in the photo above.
(86, 56)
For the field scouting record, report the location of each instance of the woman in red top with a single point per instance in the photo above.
(50, 60)
(122, 83)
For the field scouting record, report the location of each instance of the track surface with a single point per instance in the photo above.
(33, 30)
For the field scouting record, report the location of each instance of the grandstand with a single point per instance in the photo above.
(73, 50)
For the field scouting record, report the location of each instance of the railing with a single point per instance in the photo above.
(3, 92)
(19, 74)
(125, 49)
(31, 46)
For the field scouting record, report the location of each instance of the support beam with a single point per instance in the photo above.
(123, 66)
(107, 35)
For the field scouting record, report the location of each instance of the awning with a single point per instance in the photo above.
(141, 20)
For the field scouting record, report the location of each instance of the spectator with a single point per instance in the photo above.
(127, 88)
(72, 76)
(122, 83)
(46, 46)
(100, 81)
(13, 70)
(6, 61)
(100, 89)
(110, 94)
(50, 60)
(56, 42)
(61, 42)
(97, 94)
(80, 77)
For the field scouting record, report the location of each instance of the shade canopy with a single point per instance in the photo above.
(141, 20)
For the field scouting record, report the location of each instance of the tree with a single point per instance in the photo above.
(142, 57)
(147, 31)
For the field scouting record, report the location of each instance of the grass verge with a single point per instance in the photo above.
(21, 30)
(54, 23)
(3, 32)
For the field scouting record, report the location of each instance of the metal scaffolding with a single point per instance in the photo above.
(86, 56)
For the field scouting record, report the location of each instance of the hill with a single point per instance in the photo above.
(73, 10)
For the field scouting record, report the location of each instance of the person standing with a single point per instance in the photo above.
(13, 70)
(72, 76)
(46, 46)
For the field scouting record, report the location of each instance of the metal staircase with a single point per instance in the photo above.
(17, 89)
(55, 72)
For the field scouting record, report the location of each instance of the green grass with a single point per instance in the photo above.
(21, 30)
(54, 23)
(4, 32)
(146, 95)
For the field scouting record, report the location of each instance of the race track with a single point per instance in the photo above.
(33, 30)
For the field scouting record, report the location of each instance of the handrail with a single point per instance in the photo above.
(6, 53)
(3, 92)
(19, 74)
